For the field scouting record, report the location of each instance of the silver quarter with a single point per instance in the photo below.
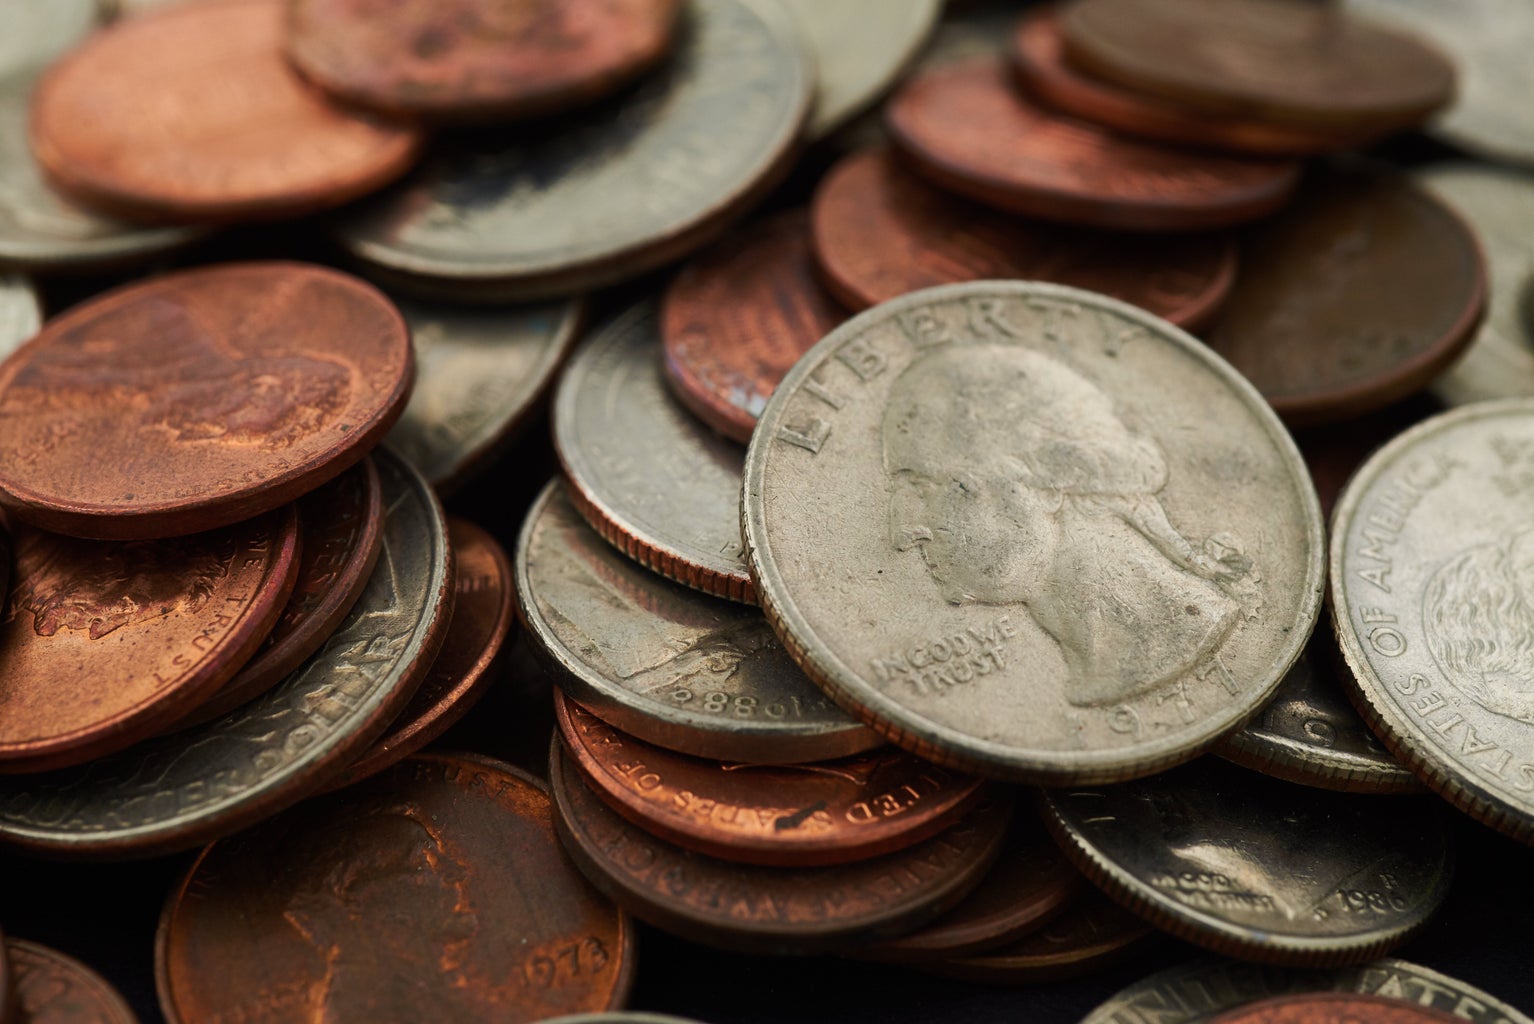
(21, 315)
(37, 31)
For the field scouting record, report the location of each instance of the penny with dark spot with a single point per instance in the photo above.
(880, 231)
(738, 316)
(434, 891)
(456, 60)
(756, 909)
(969, 130)
(197, 399)
(51, 988)
(1335, 1008)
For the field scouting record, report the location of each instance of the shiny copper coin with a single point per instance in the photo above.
(465, 59)
(190, 401)
(191, 114)
(833, 812)
(435, 891)
(52, 988)
(1335, 1008)
(738, 316)
(968, 130)
(106, 643)
(758, 909)
(483, 612)
(880, 232)
(1359, 293)
(341, 533)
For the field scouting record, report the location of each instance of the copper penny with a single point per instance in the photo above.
(105, 643)
(483, 612)
(434, 891)
(341, 532)
(1286, 61)
(52, 988)
(968, 130)
(1359, 293)
(191, 114)
(750, 908)
(738, 316)
(1335, 1008)
(880, 232)
(198, 399)
(833, 812)
(469, 60)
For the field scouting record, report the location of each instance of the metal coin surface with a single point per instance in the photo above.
(860, 48)
(37, 33)
(1278, 60)
(106, 642)
(621, 1017)
(1070, 544)
(483, 613)
(481, 378)
(1334, 1008)
(1358, 293)
(126, 123)
(738, 316)
(194, 786)
(1498, 203)
(1432, 592)
(968, 130)
(664, 663)
(650, 478)
(881, 232)
(464, 60)
(829, 812)
(754, 909)
(198, 399)
(1197, 992)
(551, 210)
(1257, 868)
(51, 988)
(21, 315)
(436, 891)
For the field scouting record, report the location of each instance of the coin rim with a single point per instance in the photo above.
(112, 999)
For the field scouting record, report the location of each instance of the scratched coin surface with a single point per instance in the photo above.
(665, 663)
(481, 378)
(1069, 543)
(197, 399)
(754, 909)
(1334, 1008)
(52, 988)
(194, 786)
(106, 642)
(21, 315)
(463, 60)
(599, 196)
(1197, 992)
(1258, 868)
(1432, 592)
(830, 812)
(435, 891)
(880, 232)
(655, 482)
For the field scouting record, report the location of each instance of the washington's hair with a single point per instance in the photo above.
(1478, 613)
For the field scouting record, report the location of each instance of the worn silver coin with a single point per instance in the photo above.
(669, 665)
(480, 377)
(1432, 596)
(37, 31)
(193, 786)
(1197, 992)
(1032, 531)
(1256, 868)
(644, 471)
(21, 315)
(604, 194)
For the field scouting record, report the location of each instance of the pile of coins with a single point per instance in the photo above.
(913, 586)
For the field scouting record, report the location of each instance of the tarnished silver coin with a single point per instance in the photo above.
(860, 47)
(480, 377)
(1432, 588)
(1032, 531)
(650, 477)
(667, 664)
(1499, 204)
(37, 31)
(21, 315)
(1309, 733)
(1197, 992)
(193, 786)
(1256, 868)
(603, 194)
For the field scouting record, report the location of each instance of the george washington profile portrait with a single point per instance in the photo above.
(1017, 482)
